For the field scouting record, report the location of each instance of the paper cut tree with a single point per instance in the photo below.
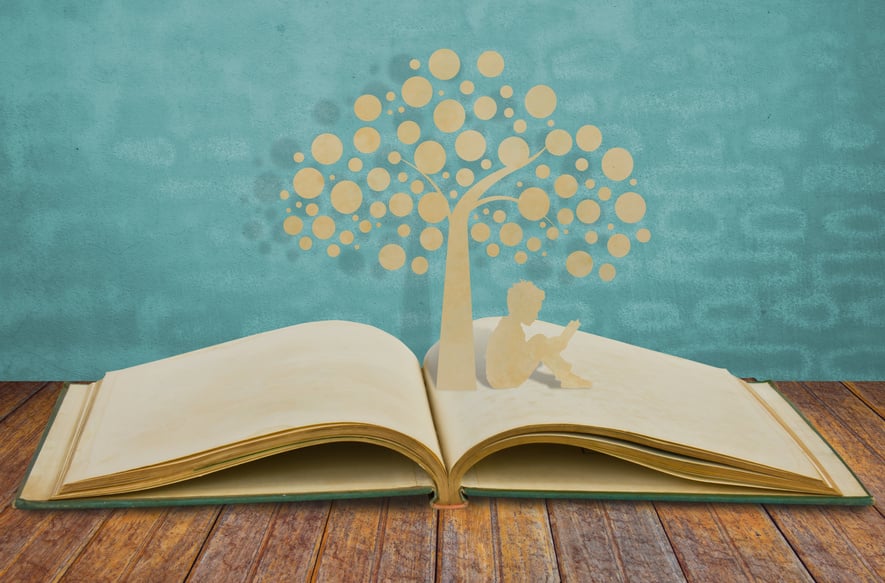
(474, 160)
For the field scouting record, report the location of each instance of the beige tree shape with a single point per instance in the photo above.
(451, 171)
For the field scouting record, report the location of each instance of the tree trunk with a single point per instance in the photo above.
(456, 369)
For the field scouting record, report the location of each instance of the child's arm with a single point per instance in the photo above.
(563, 339)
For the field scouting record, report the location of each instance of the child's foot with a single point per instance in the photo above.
(573, 381)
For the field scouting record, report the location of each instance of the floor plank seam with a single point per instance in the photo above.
(39, 388)
(438, 550)
(553, 539)
(205, 542)
(434, 566)
(849, 427)
(679, 560)
(136, 556)
(320, 546)
(857, 553)
(42, 526)
(381, 531)
(497, 551)
(790, 544)
(92, 536)
(262, 546)
(613, 541)
(863, 399)
(69, 559)
(723, 530)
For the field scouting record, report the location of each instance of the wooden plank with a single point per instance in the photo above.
(231, 549)
(466, 547)
(293, 542)
(838, 543)
(409, 549)
(14, 394)
(642, 543)
(729, 542)
(146, 544)
(52, 545)
(20, 432)
(173, 545)
(835, 544)
(352, 540)
(23, 534)
(611, 541)
(592, 540)
(854, 431)
(851, 412)
(583, 539)
(871, 393)
(35, 545)
(115, 545)
(525, 551)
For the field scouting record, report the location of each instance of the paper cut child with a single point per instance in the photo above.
(511, 358)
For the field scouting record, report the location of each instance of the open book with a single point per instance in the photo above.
(340, 409)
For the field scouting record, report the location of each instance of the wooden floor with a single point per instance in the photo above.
(493, 539)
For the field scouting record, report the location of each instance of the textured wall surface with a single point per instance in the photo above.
(143, 148)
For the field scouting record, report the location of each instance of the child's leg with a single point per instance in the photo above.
(562, 370)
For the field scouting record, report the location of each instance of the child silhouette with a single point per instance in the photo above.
(511, 358)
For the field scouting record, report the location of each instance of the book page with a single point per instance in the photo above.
(634, 391)
(43, 477)
(331, 470)
(310, 374)
(563, 469)
(833, 466)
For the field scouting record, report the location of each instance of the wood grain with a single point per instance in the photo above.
(525, 543)
(14, 394)
(116, 544)
(852, 413)
(49, 548)
(352, 540)
(466, 548)
(293, 542)
(172, 546)
(835, 544)
(20, 432)
(611, 541)
(839, 543)
(872, 394)
(408, 552)
(729, 542)
(846, 424)
(403, 539)
(234, 544)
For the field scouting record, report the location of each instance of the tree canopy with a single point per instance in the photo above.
(454, 143)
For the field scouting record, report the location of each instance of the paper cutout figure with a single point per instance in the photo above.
(454, 156)
(511, 358)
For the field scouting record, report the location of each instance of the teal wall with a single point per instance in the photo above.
(143, 146)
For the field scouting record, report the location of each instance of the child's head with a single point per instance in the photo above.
(524, 301)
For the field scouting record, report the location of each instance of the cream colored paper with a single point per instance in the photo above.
(637, 392)
(305, 375)
(570, 470)
(336, 468)
(44, 476)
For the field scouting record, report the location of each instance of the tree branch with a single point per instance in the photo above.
(474, 195)
(426, 177)
(495, 198)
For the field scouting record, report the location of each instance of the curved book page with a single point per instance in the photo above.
(315, 374)
(637, 395)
